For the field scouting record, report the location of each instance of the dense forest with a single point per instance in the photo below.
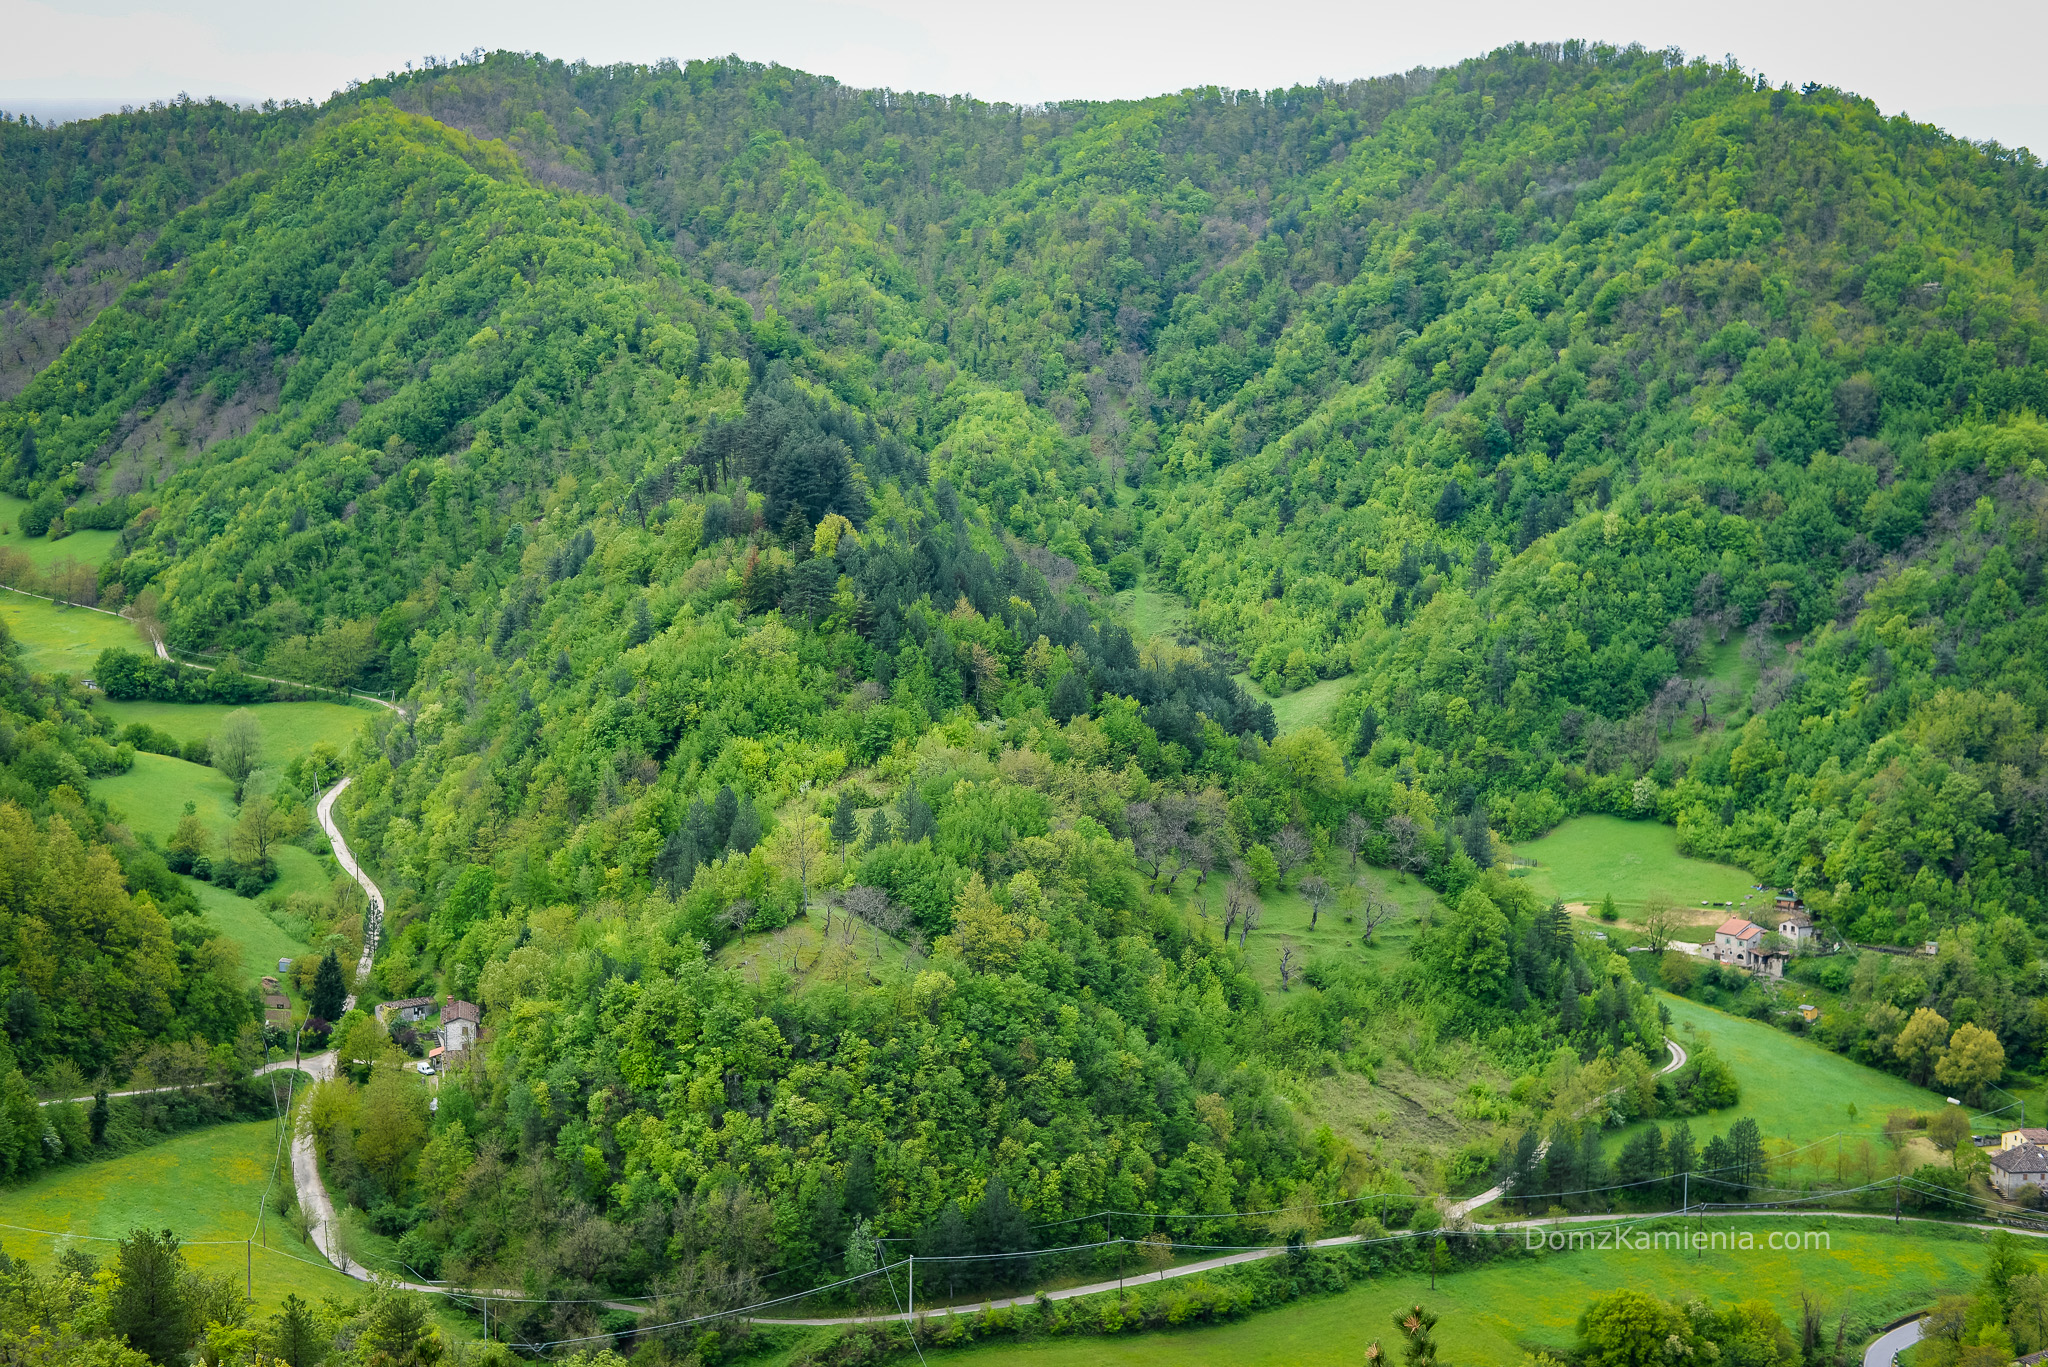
(733, 472)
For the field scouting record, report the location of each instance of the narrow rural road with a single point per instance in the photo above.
(1489, 1196)
(1890, 1344)
(373, 920)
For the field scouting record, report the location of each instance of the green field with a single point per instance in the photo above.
(205, 1186)
(1493, 1314)
(263, 941)
(1152, 611)
(289, 728)
(56, 638)
(1636, 862)
(151, 798)
(1311, 706)
(1795, 1090)
(90, 547)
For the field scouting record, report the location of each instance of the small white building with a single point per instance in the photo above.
(460, 1023)
(410, 1010)
(2019, 1167)
(1740, 942)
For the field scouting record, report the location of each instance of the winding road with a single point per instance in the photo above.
(373, 919)
(1890, 1344)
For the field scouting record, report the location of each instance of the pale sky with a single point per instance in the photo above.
(1973, 67)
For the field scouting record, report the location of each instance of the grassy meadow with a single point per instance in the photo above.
(206, 1186)
(1798, 1093)
(89, 547)
(289, 728)
(1311, 706)
(1637, 863)
(1494, 1314)
(151, 798)
(58, 638)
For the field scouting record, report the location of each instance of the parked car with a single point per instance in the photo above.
(425, 1069)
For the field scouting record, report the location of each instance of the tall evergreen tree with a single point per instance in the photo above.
(330, 990)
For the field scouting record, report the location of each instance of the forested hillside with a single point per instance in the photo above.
(733, 473)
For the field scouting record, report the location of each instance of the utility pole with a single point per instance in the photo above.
(248, 1270)
(913, 1298)
(1895, 1200)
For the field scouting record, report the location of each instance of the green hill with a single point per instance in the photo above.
(735, 474)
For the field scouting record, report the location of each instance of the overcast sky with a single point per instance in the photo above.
(1973, 66)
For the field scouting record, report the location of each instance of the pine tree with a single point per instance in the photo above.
(724, 808)
(1679, 1158)
(330, 991)
(147, 1303)
(746, 827)
(878, 828)
(295, 1336)
(845, 825)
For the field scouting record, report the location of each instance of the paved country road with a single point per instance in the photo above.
(1890, 1344)
(373, 922)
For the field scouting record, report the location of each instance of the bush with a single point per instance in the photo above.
(1123, 570)
(35, 519)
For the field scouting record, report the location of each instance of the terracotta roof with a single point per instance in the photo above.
(1738, 927)
(2032, 1136)
(461, 1011)
(2023, 1158)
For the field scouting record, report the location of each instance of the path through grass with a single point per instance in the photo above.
(1493, 1314)
(204, 1186)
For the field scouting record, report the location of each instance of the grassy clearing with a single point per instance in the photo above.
(1493, 1314)
(1152, 611)
(151, 798)
(1733, 679)
(1311, 706)
(1797, 1092)
(56, 638)
(206, 1186)
(289, 728)
(1285, 921)
(1637, 863)
(263, 941)
(89, 547)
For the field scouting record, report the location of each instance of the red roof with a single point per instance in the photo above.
(1740, 928)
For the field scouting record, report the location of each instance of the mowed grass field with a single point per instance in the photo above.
(89, 547)
(57, 638)
(289, 728)
(1637, 863)
(1796, 1091)
(1493, 1314)
(204, 1186)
